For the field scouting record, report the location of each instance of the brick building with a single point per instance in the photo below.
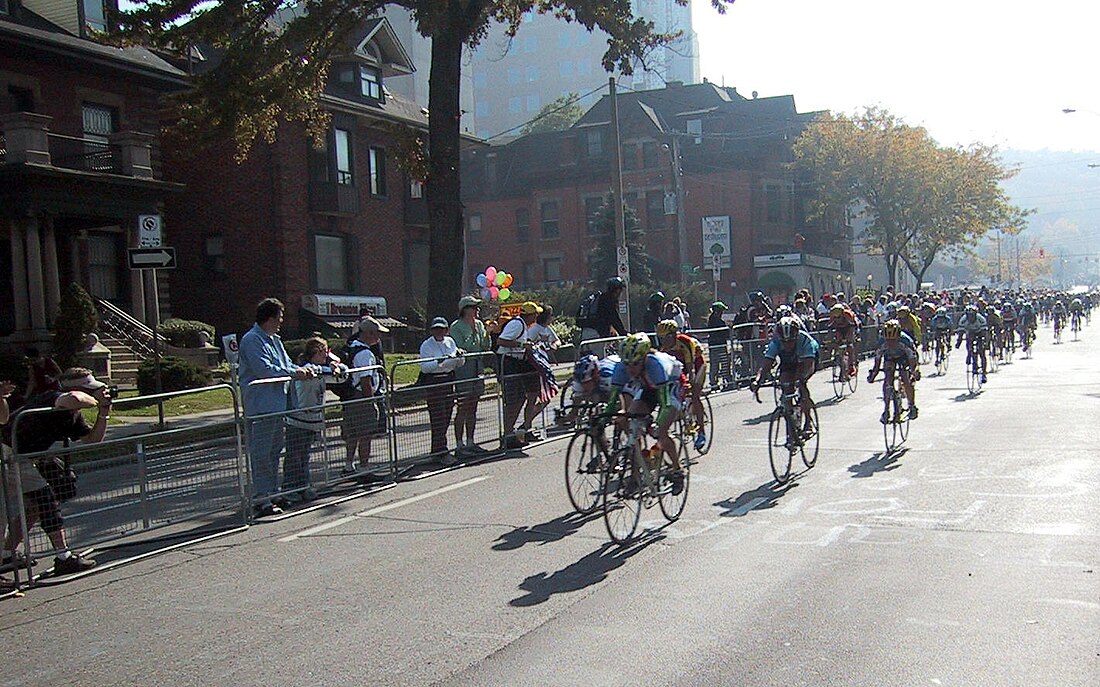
(329, 232)
(79, 161)
(530, 201)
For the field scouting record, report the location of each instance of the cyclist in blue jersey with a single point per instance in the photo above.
(592, 378)
(896, 352)
(975, 328)
(796, 352)
(649, 380)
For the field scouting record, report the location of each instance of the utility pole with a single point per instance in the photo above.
(677, 189)
(622, 253)
(1000, 276)
(1019, 276)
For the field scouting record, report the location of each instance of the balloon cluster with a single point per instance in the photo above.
(494, 284)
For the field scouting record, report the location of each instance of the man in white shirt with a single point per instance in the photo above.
(519, 378)
(441, 357)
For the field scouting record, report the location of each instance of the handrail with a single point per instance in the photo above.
(122, 325)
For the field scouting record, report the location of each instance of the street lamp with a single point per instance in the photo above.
(869, 278)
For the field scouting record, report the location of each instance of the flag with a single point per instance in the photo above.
(548, 386)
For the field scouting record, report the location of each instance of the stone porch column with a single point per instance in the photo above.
(49, 263)
(35, 284)
(19, 276)
(135, 153)
(26, 137)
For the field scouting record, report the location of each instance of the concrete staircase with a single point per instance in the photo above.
(124, 363)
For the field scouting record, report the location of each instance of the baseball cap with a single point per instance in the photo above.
(369, 324)
(530, 308)
(84, 382)
(468, 300)
(440, 322)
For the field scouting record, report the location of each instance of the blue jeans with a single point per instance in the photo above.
(265, 443)
(296, 463)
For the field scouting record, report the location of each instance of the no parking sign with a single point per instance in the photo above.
(232, 349)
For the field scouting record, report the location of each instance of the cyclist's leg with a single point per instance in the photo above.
(887, 388)
(668, 444)
(908, 386)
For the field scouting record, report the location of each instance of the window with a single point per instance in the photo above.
(100, 121)
(532, 73)
(105, 266)
(481, 109)
(342, 145)
(4, 9)
(695, 127)
(592, 205)
(331, 263)
(515, 104)
(631, 201)
(377, 171)
(563, 40)
(629, 153)
(774, 203)
(523, 225)
(649, 154)
(655, 209)
(551, 270)
(532, 44)
(533, 103)
(528, 275)
(595, 143)
(19, 99)
(514, 75)
(473, 230)
(584, 67)
(214, 253)
(549, 213)
(481, 80)
(370, 83)
(95, 15)
(416, 189)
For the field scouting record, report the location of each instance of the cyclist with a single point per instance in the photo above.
(1058, 314)
(927, 312)
(592, 378)
(1076, 307)
(797, 354)
(996, 342)
(649, 380)
(940, 328)
(844, 324)
(895, 353)
(689, 352)
(1008, 316)
(1027, 321)
(910, 323)
(974, 327)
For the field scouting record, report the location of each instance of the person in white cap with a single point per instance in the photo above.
(364, 419)
(470, 335)
(38, 432)
(441, 357)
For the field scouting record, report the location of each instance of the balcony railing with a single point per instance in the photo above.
(84, 154)
(3, 149)
(328, 198)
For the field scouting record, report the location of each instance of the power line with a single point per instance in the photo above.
(547, 113)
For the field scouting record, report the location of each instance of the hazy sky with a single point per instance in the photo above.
(968, 70)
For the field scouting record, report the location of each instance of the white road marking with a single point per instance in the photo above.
(382, 509)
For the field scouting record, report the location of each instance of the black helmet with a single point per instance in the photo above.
(616, 283)
(655, 297)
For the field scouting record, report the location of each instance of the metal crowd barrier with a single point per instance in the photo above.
(317, 459)
(135, 484)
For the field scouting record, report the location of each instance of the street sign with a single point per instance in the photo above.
(149, 235)
(163, 258)
(623, 256)
(232, 348)
(716, 265)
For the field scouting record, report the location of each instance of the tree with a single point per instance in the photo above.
(266, 76)
(556, 116)
(923, 199)
(76, 319)
(604, 262)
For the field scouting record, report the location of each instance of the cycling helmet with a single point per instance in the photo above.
(756, 296)
(942, 310)
(719, 306)
(587, 367)
(903, 310)
(891, 330)
(837, 309)
(972, 308)
(788, 328)
(634, 348)
(656, 297)
(783, 310)
(667, 328)
(616, 283)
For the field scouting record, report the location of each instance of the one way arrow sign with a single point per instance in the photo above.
(152, 258)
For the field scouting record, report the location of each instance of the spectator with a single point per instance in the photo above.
(304, 426)
(471, 335)
(36, 433)
(827, 301)
(880, 309)
(42, 374)
(519, 377)
(607, 321)
(364, 419)
(653, 309)
(718, 345)
(441, 358)
(540, 332)
(682, 316)
(262, 356)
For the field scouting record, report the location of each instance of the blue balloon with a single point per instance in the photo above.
(485, 293)
(481, 281)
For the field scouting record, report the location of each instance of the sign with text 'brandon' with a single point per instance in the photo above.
(716, 240)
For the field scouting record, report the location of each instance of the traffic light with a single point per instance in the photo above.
(1042, 254)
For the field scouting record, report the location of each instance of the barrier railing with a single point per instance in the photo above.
(125, 486)
(322, 445)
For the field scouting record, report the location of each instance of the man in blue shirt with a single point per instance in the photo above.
(262, 356)
(796, 352)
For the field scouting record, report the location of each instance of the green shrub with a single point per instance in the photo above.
(176, 374)
(76, 319)
(185, 333)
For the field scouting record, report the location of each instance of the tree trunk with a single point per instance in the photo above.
(447, 249)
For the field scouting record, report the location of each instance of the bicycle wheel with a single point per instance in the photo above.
(903, 424)
(837, 379)
(708, 425)
(810, 442)
(779, 446)
(972, 379)
(583, 472)
(925, 355)
(622, 497)
(853, 379)
(672, 505)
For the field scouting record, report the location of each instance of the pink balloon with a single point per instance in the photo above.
(490, 274)
(494, 291)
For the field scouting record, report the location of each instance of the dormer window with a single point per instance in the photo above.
(95, 15)
(370, 82)
(5, 8)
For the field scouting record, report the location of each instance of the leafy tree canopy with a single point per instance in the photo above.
(556, 116)
(602, 259)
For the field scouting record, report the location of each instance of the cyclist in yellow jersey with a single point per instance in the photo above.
(689, 352)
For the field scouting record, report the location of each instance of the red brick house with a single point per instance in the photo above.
(79, 162)
(329, 232)
(529, 202)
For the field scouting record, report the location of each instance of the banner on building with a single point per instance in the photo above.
(716, 239)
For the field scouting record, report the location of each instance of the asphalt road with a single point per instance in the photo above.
(972, 558)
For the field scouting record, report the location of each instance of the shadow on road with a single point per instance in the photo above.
(967, 396)
(590, 570)
(765, 496)
(831, 401)
(757, 420)
(554, 530)
(878, 462)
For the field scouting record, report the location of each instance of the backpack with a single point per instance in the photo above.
(586, 311)
(346, 390)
